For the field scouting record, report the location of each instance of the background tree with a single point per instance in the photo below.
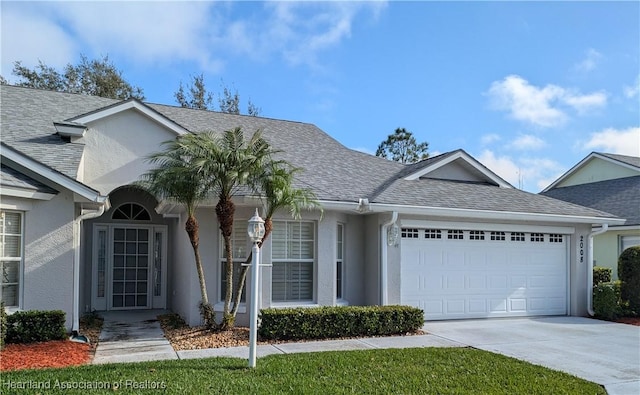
(175, 178)
(98, 77)
(402, 147)
(197, 96)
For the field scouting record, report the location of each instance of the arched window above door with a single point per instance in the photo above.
(131, 212)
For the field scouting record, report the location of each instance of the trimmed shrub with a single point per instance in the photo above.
(601, 275)
(341, 321)
(606, 297)
(629, 274)
(3, 324)
(35, 326)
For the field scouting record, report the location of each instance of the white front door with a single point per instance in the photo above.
(129, 267)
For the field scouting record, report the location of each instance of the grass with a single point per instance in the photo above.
(407, 371)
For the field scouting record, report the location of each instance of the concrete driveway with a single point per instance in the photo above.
(602, 352)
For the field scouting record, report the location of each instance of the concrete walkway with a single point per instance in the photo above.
(132, 336)
(603, 352)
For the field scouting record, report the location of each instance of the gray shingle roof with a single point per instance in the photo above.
(12, 178)
(477, 196)
(629, 160)
(620, 196)
(331, 170)
(26, 124)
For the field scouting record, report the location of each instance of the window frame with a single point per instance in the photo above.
(289, 262)
(19, 259)
(340, 268)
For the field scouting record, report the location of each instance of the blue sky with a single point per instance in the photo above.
(527, 88)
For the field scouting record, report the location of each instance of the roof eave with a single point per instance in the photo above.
(57, 178)
(491, 215)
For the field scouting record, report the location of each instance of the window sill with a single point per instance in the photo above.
(219, 307)
(288, 305)
(11, 309)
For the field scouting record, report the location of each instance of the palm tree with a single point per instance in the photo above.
(275, 186)
(175, 179)
(230, 163)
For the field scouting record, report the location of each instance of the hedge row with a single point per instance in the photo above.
(342, 321)
(35, 326)
(606, 300)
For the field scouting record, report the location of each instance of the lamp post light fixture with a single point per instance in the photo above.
(255, 229)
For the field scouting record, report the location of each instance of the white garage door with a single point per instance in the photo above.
(453, 274)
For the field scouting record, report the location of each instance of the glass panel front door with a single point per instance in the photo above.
(130, 274)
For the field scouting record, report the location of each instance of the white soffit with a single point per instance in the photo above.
(497, 227)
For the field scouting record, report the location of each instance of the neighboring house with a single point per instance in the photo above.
(609, 183)
(445, 234)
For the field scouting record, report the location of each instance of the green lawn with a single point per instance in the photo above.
(408, 371)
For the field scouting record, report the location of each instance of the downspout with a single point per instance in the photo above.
(604, 228)
(383, 258)
(77, 224)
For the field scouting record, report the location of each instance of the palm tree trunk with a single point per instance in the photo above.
(193, 230)
(225, 210)
(268, 227)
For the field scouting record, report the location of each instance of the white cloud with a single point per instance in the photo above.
(542, 107)
(489, 138)
(530, 174)
(632, 91)
(152, 33)
(527, 142)
(585, 103)
(615, 141)
(590, 62)
(28, 37)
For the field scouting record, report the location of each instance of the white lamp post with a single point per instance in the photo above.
(256, 232)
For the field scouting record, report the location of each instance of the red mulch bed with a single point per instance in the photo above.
(629, 320)
(52, 354)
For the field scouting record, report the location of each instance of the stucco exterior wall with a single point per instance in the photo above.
(607, 249)
(597, 170)
(578, 269)
(48, 253)
(128, 138)
(371, 278)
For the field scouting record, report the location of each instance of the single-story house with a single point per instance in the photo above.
(446, 234)
(610, 183)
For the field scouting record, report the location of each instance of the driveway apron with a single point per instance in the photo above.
(132, 336)
(603, 352)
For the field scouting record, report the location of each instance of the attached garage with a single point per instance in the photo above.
(478, 271)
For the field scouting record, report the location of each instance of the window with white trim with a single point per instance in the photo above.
(293, 257)
(340, 261)
(131, 212)
(498, 236)
(239, 244)
(409, 233)
(537, 237)
(432, 234)
(455, 235)
(476, 235)
(517, 236)
(11, 239)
